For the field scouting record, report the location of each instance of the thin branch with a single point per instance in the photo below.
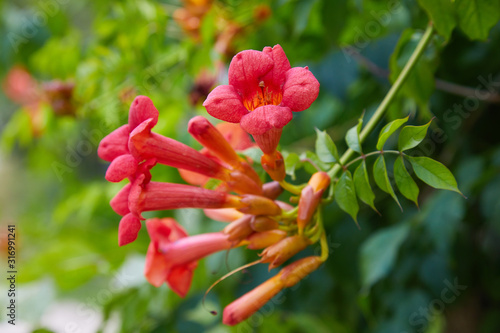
(442, 85)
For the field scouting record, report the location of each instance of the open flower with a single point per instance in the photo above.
(114, 147)
(157, 270)
(263, 91)
(172, 255)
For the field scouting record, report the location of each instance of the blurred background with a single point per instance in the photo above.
(69, 71)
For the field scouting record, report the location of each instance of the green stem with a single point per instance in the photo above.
(362, 157)
(370, 125)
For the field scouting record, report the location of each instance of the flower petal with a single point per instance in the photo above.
(128, 229)
(277, 75)
(122, 167)
(120, 202)
(179, 278)
(114, 144)
(247, 69)
(155, 269)
(300, 90)
(265, 118)
(142, 108)
(225, 103)
(165, 230)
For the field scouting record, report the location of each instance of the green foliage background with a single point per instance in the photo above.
(387, 276)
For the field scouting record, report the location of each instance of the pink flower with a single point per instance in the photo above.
(263, 91)
(172, 255)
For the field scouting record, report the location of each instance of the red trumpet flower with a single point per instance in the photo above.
(263, 91)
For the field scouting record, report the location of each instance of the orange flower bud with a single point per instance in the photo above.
(310, 198)
(239, 229)
(272, 190)
(257, 205)
(263, 223)
(248, 304)
(274, 165)
(280, 252)
(299, 269)
(261, 240)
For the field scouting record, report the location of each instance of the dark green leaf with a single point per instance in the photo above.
(345, 195)
(387, 131)
(411, 136)
(434, 173)
(442, 15)
(378, 253)
(405, 183)
(382, 179)
(362, 185)
(352, 136)
(476, 17)
(325, 148)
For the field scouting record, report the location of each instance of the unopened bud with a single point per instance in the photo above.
(239, 229)
(299, 269)
(272, 190)
(263, 223)
(257, 205)
(261, 240)
(310, 198)
(280, 252)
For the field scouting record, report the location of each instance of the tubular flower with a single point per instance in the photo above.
(141, 196)
(310, 198)
(193, 248)
(144, 144)
(158, 270)
(263, 91)
(248, 304)
(220, 144)
(114, 147)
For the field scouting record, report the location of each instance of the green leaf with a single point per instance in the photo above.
(442, 15)
(352, 136)
(387, 131)
(325, 148)
(292, 162)
(434, 173)
(411, 136)
(345, 195)
(405, 183)
(378, 253)
(477, 17)
(308, 158)
(382, 179)
(362, 186)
